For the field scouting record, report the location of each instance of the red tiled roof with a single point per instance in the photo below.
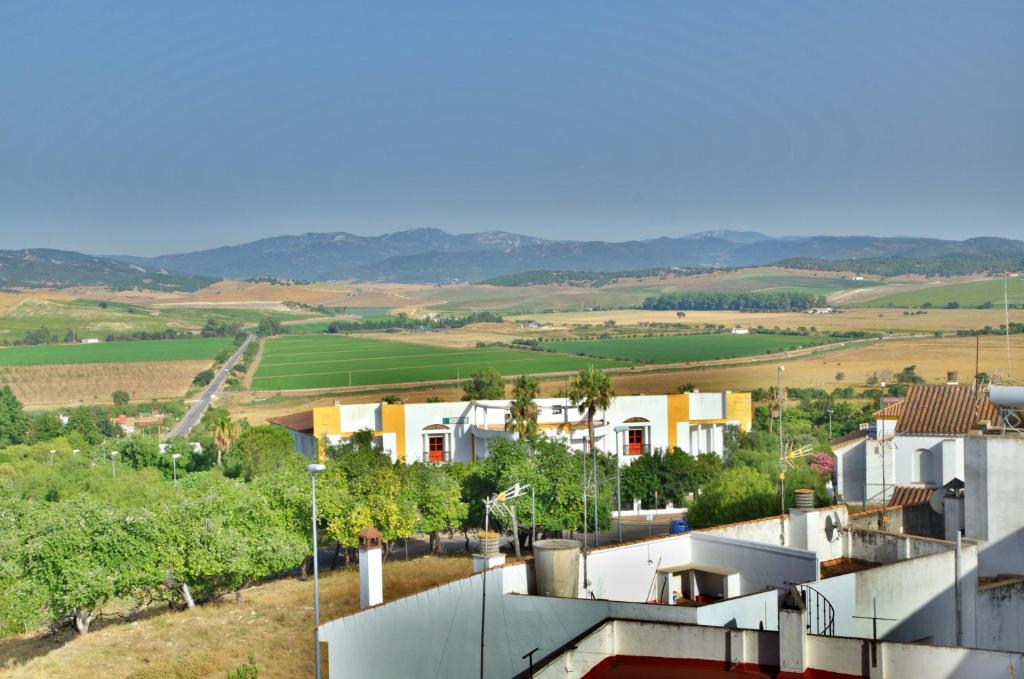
(952, 409)
(300, 422)
(910, 495)
(893, 411)
(855, 435)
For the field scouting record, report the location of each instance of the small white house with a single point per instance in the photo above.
(741, 331)
(91, 340)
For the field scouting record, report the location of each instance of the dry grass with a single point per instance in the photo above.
(274, 622)
(58, 385)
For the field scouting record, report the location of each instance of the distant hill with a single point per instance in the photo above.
(42, 268)
(434, 256)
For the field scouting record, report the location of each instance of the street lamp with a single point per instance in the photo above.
(782, 463)
(830, 424)
(75, 451)
(313, 470)
(174, 465)
(113, 464)
(51, 457)
(618, 474)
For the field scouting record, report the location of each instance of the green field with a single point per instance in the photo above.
(115, 352)
(972, 294)
(319, 361)
(686, 348)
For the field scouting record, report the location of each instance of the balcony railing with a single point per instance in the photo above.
(637, 448)
(437, 457)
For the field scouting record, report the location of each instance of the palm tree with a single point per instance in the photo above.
(523, 411)
(591, 390)
(225, 431)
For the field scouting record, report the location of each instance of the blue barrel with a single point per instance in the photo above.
(679, 526)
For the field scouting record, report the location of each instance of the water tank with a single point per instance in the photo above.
(679, 526)
(489, 544)
(557, 567)
(1010, 398)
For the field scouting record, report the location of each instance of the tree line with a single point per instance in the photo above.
(735, 301)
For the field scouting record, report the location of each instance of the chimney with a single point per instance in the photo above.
(803, 521)
(371, 570)
(951, 377)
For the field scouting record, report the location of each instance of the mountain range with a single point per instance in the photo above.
(45, 268)
(435, 256)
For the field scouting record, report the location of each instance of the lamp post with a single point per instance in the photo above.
(113, 464)
(313, 470)
(75, 451)
(782, 463)
(618, 474)
(174, 465)
(830, 424)
(51, 457)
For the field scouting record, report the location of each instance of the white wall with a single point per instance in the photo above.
(1000, 617)
(994, 502)
(760, 565)
(918, 593)
(629, 572)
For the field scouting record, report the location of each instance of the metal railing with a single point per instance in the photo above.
(821, 616)
(446, 456)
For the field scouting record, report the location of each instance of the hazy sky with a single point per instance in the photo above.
(145, 127)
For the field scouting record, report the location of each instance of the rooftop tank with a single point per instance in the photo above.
(557, 567)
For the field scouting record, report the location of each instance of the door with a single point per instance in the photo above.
(635, 441)
(435, 448)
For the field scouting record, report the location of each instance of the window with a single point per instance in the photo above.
(435, 447)
(635, 441)
(921, 470)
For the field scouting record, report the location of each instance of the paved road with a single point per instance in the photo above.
(195, 413)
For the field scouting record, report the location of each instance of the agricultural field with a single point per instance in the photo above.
(967, 294)
(204, 348)
(629, 292)
(883, 320)
(92, 383)
(324, 361)
(686, 348)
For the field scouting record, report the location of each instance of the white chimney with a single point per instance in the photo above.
(952, 377)
(371, 569)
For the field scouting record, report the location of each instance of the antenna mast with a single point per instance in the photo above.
(1006, 320)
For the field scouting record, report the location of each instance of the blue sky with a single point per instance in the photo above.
(145, 128)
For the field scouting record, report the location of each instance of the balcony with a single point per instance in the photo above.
(436, 456)
(636, 448)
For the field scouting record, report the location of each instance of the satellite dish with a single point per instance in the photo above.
(938, 500)
(833, 527)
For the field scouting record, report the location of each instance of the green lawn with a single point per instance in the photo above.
(115, 352)
(318, 361)
(686, 348)
(972, 294)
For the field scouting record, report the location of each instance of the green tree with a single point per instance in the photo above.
(224, 430)
(268, 327)
(439, 499)
(83, 554)
(120, 399)
(484, 384)
(262, 450)
(738, 494)
(591, 390)
(83, 421)
(44, 427)
(13, 423)
(523, 410)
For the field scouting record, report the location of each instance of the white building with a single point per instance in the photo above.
(916, 441)
(460, 431)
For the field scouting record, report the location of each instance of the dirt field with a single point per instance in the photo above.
(274, 622)
(60, 385)
(882, 320)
